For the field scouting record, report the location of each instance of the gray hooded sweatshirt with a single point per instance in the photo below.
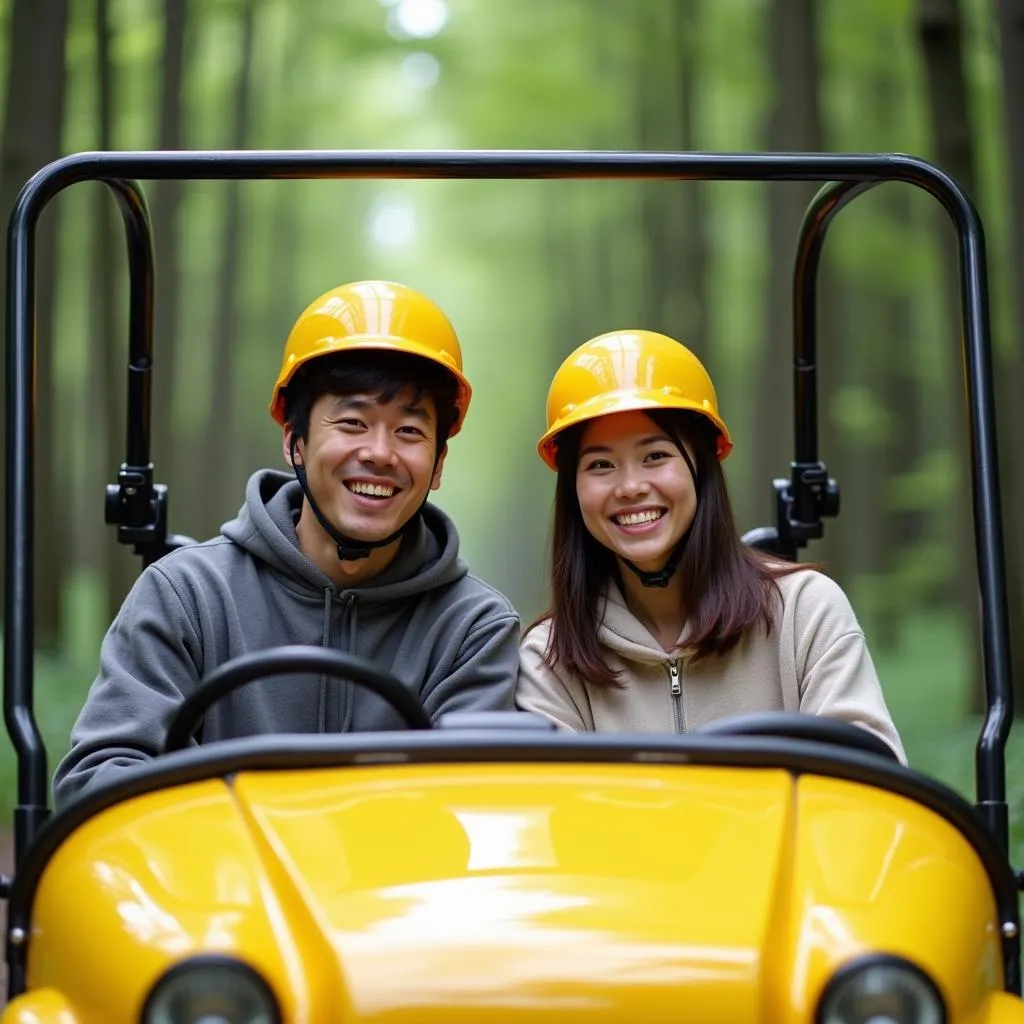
(452, 639)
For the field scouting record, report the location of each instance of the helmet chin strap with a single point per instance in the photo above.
(349, 549)
(660, 577)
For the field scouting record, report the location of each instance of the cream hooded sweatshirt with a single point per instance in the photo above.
(815, 660)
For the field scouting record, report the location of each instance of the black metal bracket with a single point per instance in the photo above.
(801, 503)
(811, 496)
(138, 507)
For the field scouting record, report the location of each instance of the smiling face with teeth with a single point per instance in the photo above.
(636, 494)
(369, 465)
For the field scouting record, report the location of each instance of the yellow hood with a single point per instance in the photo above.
(519, 892)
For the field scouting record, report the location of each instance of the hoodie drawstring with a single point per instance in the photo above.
(325, 641)
(343, 717)
(351, 604)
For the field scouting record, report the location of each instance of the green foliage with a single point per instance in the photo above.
(929, 484)
(858, 411)
(923, 681)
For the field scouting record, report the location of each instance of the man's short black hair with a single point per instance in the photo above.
(379, 372)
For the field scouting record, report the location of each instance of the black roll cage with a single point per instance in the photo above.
(137, 505)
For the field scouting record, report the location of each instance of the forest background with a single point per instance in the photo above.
(528, 270)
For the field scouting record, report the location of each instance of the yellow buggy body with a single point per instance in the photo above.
(707, 879)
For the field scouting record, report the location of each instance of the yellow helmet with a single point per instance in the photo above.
(372, 315)
(627, 370)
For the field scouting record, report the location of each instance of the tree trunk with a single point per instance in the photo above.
(169, 463)
(894, 363)
(795, 123)
(611, 280)
(674, 295)
(226, 333)
(33, 119)
(879, 359)
(655, 104)
(1010, 369)
(691, 306)
(939, 28)
(109, 373)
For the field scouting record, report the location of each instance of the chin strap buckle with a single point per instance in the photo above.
(655, 579)
(661, 578)
(353, 552)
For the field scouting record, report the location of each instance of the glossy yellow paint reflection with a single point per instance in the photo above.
(44, 1006)
(605, 891)
(998, 1008)
(155, 880)
(504, 893)
(872, 872)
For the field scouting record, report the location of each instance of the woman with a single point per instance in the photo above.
(661, 618)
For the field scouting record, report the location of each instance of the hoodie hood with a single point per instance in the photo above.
(622, 632)
(265, 527)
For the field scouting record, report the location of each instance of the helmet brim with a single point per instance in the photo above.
(628, 401)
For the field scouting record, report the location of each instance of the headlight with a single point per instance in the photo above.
(211, 990)
(881, 990)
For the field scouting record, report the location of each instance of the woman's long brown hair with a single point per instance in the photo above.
(729, 588)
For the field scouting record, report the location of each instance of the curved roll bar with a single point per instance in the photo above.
(137, 505)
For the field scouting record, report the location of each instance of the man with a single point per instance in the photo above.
(344, 552)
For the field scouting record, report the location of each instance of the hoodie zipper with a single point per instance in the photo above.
(675, 690)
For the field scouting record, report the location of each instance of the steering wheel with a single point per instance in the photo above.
(788, 725)
(281, 661)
